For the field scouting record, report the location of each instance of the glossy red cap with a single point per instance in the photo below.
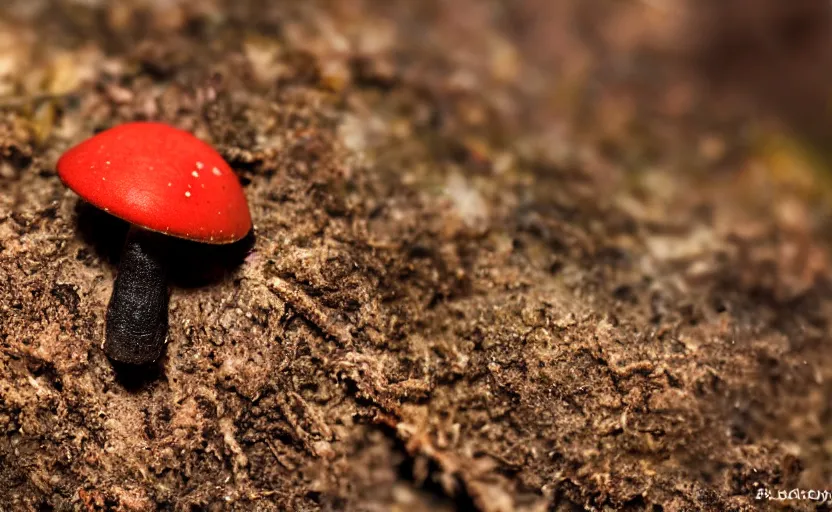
(159, 178)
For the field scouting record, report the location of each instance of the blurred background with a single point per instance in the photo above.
(634, 69)
(735, 87)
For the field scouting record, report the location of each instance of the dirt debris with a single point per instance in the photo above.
(470, 284)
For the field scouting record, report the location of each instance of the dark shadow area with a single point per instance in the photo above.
(426, 474)
(102, 232)
(776, 54)
(461, 500)
(193, 264)
(190, 264)
(135, 378)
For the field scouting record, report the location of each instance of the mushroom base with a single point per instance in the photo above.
(137, 316)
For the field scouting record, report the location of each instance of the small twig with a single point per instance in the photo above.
(310, 310)
(18, 101)
(277, 457)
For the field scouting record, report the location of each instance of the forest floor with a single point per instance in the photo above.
(508, 255)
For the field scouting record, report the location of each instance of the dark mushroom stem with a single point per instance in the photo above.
(137, 317)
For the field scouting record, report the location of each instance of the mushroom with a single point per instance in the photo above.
(164, 182)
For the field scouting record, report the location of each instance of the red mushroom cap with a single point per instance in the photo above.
(159, 178)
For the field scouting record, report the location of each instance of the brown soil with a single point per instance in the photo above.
(508, 255)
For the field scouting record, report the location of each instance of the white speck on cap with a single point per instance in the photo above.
(216, 171)
(107, 162)
(195, 174)
(200, 165)
(103, 178)
(187, 193)
(170, 184)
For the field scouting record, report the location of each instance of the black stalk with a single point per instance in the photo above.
(137, 317)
